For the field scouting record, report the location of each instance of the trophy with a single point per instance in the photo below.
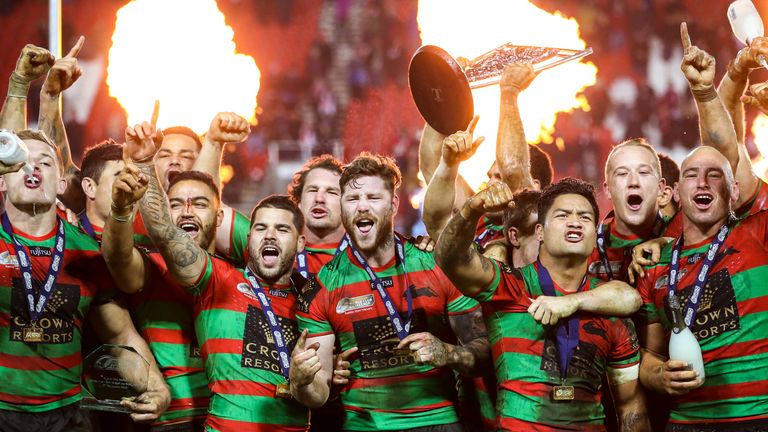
(746, 24)
(442, 89)
(111, 374)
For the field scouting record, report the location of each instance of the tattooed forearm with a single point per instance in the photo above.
(511, 145)
(50, 122)
(13, 116)
(473, 355)
(634, 422)
(186, 259)
(455, 243)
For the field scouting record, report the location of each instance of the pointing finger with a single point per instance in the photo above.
(76, 49)
(686, 39)
(301, 342)
(472, 124)
(155, 113)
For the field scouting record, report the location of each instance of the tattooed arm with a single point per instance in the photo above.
(715, 124)
(630, 406)
(614, 298)
(511, 146)
(469, 271)
(62, 75)
(33, 62)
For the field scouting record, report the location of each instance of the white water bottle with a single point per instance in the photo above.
(746, 23)
(13, 150)
(683, 345)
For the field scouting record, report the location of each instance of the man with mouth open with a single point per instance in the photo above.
(51, 278)
(716, 270)
(244, 318)
(388, 299)
(315, 189)
(549, 376)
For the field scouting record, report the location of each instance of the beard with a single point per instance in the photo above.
(384, 231)
(271, 274)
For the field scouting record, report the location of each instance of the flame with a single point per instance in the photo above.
(760, 134)
(468, 29)
(182, 53)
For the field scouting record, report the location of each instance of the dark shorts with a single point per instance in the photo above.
(190, 426)
(66, 419)
(745, 426)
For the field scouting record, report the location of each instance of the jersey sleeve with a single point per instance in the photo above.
(624, 357)
(205, 279)
(756, 225)
(648, 312)
(756, 203)
(312, 308)
(457, 303)
(507, 286)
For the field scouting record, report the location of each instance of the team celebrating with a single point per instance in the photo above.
(525, 309)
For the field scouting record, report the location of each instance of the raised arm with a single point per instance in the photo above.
(456, 255)
(511, 146)
(126, 264)
(226, 127)
(715, 125)
(62, 75)
(441, 189)
(112, 324)
(186, 260)
(33, 63)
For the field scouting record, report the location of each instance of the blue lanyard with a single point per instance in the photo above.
(604, 241)
(36, 308)
(274, 326)
(698, 285)
(479, 239)
(87, 227)
(567, 330)
(401, 328)
(301, 257)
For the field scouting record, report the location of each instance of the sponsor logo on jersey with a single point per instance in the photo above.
(348, 304)
(7, 259)
(259, 350)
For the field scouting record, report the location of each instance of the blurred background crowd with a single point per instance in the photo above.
(334, 80)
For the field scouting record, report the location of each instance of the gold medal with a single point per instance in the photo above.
(283, 391)
(32, 334)
(563, 393)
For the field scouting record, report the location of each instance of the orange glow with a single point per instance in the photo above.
(182, 53)
(760, 132)
(226, 172)
(468, 29)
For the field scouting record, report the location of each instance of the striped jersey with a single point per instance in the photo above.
(729, 324)
(526, 359)
(618, 251)
(488, 231)
(319, 255)
(162, 313)
(39, 377)
(240, 354)
(386, 391)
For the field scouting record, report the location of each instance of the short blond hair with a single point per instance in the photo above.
(635, 142)
(38, 135)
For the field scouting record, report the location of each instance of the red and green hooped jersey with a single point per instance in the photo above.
(619, 252)
(39, 377)
(140, 236)
(162, 312)
(386, 391)
(240, 354)
(488, 231)
(756, 203)
(526, 361)
(319, 255)
(238, 239)
(730, 324)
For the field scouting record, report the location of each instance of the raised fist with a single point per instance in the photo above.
(33, 62)
(697, 65)
(459, 146)
(64, 72)
(129, 186)
(228, 127)
(495, 197)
